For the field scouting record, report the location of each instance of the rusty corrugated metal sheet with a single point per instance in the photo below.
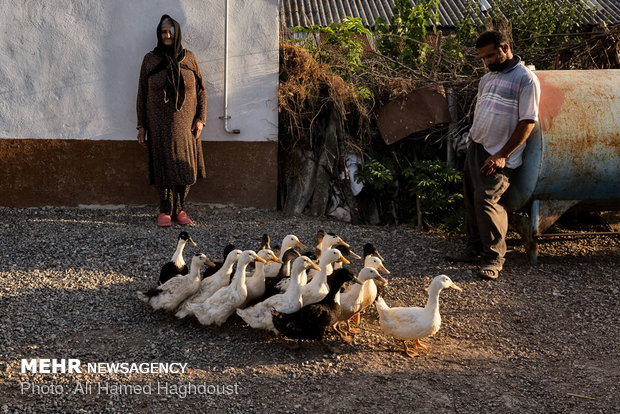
(421, 109)
(325, 12)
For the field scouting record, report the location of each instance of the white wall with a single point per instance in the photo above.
(69, 68)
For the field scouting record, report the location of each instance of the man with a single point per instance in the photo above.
(506, 112)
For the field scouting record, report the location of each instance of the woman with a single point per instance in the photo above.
(172, 109)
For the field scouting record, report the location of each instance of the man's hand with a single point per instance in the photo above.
(197, 128)
(492, 164)
(142, 137)
(497, 161)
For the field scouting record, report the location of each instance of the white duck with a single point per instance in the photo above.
(222, 304)
(210, 284)
(318, 287)
(358, 297)
(259, 315)
(411, 324)
(328, 241)
(256, 283)
(288, 242)
(174, 291)
(376, 263)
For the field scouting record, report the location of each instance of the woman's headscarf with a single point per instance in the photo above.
(171, 56)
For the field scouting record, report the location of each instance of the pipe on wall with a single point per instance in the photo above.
(226, 116)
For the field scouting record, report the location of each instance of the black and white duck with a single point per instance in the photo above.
(371, 250)
(176, 265)
(311, 321)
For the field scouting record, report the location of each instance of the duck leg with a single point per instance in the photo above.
(357, 318)
(410, 352)
(336, 328)
(352, 330)
(418, 344)
(343, 336)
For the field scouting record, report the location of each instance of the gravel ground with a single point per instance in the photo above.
(539, 339)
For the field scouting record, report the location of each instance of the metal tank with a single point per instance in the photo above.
(573, 154)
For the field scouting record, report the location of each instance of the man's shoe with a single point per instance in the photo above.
(164, 220)
(183, 219)
(488, 272)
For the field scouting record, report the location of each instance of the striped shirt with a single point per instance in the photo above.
(505, 98)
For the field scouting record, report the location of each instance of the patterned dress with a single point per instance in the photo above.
(175, 156)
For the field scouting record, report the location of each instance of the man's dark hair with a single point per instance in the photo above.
(491, 38)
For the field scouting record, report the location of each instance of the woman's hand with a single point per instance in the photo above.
(197, 128)
(142, 137)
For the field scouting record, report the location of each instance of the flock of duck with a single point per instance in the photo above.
(291, 293)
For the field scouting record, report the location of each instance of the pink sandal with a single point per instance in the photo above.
(183, 219)
(164, 220)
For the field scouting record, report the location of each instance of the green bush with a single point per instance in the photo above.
(438, 188)
(376, 175)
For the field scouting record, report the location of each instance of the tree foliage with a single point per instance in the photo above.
(340, 44)
(539, 27)
(405, 38)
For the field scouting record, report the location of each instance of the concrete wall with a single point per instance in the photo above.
(68, 81)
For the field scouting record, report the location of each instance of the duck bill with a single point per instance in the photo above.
(274, 259)
(340, 241)
(210, 263)
(355, 256)
(381, 279)
(344, 260)
(300, 245)
(192, 242)
(356, 280)
(260, 259)
(455, 287)
(315, 267)
(384, 270)
(379, 256)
